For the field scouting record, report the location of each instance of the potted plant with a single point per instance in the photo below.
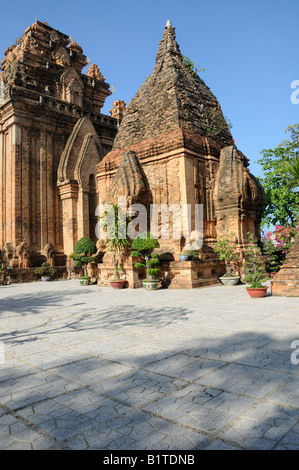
(183, 256)
(226, 249)
(275, 245)
(255, 272)
(84, 280)
(117, 241)
(193, 254)
(45, 271)
(83, 250)
(142, 247)
(2, 275)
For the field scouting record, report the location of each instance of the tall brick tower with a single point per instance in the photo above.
(52, 136)
(175, 130)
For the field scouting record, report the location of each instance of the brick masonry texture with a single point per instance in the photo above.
(175, 128)
(60, 156)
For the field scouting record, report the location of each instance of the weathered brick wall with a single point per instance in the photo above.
(46, 95)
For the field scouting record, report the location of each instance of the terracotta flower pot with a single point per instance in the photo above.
(256, 292)
(118, 284)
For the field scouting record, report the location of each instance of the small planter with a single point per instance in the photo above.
(45, 272)
(84, 282)
(118, 284)
(256, 292)
(183, 257)
(150, 285)
(229, 281)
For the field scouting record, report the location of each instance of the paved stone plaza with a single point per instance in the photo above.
(89, 367)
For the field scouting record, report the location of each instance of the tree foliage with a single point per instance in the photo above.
(83, 250)
(217, 122)
(190, 66)
(226, 249)
(115, 224)
(45, 270)
(279, 168)
(85, 246)
(255, 272)
(143, 247)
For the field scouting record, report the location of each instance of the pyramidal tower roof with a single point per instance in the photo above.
(172, 98)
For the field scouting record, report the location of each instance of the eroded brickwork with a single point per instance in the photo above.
(286, 281)
(176, 131)
(52, 136)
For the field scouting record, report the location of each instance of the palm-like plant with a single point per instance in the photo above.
(291, 170)
(115, 225)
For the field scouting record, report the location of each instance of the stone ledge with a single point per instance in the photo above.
(285, 287)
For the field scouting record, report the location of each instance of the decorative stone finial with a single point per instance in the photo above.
(94, 72)
(118, 109)
(73, 46)
(168, 42)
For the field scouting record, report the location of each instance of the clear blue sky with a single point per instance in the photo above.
(249, 50)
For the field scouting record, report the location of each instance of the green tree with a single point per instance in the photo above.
(280, 166)
(255, 272)
(190, 66)
(115, 225)
(142, 247)
(217, 122)
(226, 249)
(83, 250)
(291, 171)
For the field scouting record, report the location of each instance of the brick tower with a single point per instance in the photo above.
(175, 130)
(52, 136)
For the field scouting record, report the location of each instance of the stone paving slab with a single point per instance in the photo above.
(93, 368)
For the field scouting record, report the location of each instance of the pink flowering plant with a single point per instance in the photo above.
(282, 237)
(276, 245)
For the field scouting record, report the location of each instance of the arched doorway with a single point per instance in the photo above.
(92, 205)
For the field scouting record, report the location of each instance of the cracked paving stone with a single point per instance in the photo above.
(201, 376)
(18, 392)
(15, 369)
(184, 367)
(54, 359)
(44, 411)
(32, 346)
(291, 440)
(139, 387)
(223, 401)
(192, 413)
(136, 356)
(288, 394)
(20, 435)
(19, 446)
(90, 371)
(101, 438)
(86, 402)
(243, 379)
(261, 358)
(150, 432)
(263, 426)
